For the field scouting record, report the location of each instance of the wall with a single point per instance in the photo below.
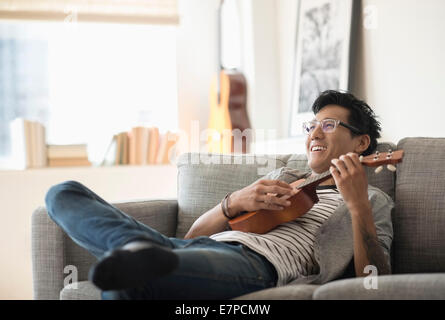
(23, 191)
(398, 69)
(401, 69)
(197, 62)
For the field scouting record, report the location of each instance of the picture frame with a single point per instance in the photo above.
(322, 55)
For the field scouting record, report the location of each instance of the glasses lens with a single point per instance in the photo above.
(308, 127)
(328, 125)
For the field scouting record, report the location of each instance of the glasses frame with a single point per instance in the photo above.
(337, 122)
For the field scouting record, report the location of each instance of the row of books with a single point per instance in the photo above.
(30, 150)
(141, 146)
(138, 146)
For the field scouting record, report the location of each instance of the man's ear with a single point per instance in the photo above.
(363, 143)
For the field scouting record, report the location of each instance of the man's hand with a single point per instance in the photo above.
(350, 178)
(262, 194)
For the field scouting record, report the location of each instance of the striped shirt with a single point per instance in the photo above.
(290, 246)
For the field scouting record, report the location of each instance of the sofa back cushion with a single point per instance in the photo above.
(419, 218)
(203, 182)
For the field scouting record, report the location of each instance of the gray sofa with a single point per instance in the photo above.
(418, 249)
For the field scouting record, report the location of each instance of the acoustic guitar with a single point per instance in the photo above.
(228, 101)
(264, 220)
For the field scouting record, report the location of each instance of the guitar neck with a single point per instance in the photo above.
(219, 49)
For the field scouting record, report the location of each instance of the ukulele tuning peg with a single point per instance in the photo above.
(379, 168)
(391, 167)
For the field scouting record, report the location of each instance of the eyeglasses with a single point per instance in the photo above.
(327, 125)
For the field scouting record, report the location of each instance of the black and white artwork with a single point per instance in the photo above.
(322, 55)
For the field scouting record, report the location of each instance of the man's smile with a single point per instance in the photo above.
(318, 148)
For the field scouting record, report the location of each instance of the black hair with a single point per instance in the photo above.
(361, 115)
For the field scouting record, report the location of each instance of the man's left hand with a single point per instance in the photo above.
(351, 180)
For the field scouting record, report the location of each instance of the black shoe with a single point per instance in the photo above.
(123, 269)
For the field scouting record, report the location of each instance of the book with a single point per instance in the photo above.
(143, 134)
(41, 158)
(20, 143)
(69, 162)
(67, 151)
(167, 147)
(121, 148)
(110, 153)
(153, 145)
(33, 143)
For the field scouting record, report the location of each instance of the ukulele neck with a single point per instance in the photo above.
(315, 180)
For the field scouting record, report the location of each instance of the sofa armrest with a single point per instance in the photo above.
(56, 257)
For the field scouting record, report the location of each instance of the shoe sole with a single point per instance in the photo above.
(124, 269)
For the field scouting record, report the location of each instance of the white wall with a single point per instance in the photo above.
(401, 67)
(196, 61)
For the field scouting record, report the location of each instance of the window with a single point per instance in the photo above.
(87, 81)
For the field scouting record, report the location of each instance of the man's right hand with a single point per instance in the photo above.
(262, 194)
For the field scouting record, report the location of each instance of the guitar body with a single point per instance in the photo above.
(229, 112)
(264, 220)
(228, 107)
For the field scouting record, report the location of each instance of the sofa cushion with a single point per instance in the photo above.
(289, 292)
(389, 287)
(82, 290)
(203, 181)
(419, 219)
(203, 184)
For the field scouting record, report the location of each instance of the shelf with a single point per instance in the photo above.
(117, 167)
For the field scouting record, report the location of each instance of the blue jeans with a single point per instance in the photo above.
(207, 269)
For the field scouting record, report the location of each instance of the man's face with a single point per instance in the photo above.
(334, 143)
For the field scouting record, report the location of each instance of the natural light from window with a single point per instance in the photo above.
(86, 82)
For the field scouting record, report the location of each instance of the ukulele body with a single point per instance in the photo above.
(264, 220)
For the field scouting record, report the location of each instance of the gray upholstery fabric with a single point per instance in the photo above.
(289, 292)
(419, 219)
(53, 250)
(85, 291)
(390, 287)
(417, 187)
(48, 258)
(385, 180)
(202, 184)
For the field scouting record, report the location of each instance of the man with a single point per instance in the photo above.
(348, 229)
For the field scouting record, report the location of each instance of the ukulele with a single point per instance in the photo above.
(264, 220)
(228, 100)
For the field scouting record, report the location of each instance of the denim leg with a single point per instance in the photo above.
(93, 223)
(207, 269)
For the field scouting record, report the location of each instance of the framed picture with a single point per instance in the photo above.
(321, 55)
